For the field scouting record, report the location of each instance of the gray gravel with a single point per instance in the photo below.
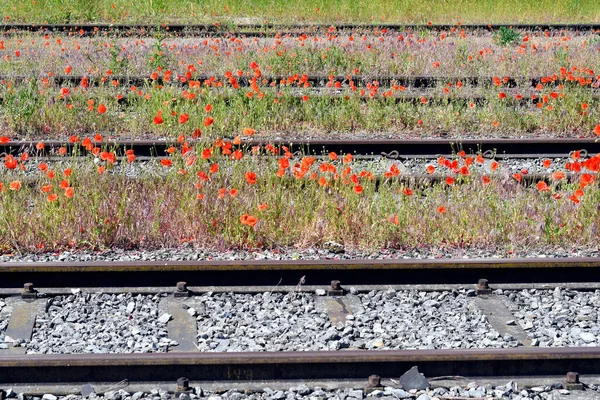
(423, 320)
(100, 323)
(387, 320)
(4, 318)
(510, 390)
(557, 318)
(189, 253)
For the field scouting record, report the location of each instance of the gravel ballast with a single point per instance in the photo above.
(4, 319)
(100, 323)
(511, 390)
(388, 320)
(189, 253)
(559, 318)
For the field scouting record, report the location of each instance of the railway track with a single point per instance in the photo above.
(258, 275)
(34, 370)
(392, 148)
(270, 29)
(416, 82)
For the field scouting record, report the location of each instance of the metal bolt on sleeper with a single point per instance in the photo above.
(573, 381)
(28, 291)
(373, 383)
(335, 289)
(181, 290)
(483, 287)
(183, 385)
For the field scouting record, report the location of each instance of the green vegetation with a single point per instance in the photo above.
(286, 11)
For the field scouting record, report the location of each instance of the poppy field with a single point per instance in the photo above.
(209, 94)
(543, 84)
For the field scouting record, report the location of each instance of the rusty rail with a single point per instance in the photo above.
(397, 148)
(269, 29)
(252, 366)
(288, 272)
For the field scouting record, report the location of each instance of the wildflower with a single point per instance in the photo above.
(248, 220)
(494, 165)
(394, 219)
(67, 172)
(442, 210)
(250, 177)
(4, 139)
(158, 119)
(333, 156)
(40, 146)
(450, 181)
(214, 168)
(430, 169)
(62, 151)
(586, 179)
(407, 192)
(52, 197)
(183, 118)
(208, 121)
(248, 131)
(262, 207)
(207, 153)
(208, 107)
(64, 184)
(101, 169)
(15, 185)
(69, 192)
(233, 192)
(574, 199)
(47, 188)
(517, 177)
(101, 109)
(597, 130)
(358, 189)
(546, 163)
(485, 180)
(542, 186)
(558, 175)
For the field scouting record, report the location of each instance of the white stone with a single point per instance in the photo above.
(164, 318)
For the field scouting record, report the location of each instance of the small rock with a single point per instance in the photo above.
(587, 337)
(511, 322)
(49, 396)
(164, 318)
(320, 292)
(413, 379)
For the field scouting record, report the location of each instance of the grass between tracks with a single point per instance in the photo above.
(43, 109)
(220, 197)
(216, 109)
(399, 11)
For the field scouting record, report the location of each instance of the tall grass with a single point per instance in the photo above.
(286, 11)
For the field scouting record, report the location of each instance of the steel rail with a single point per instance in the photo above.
(272, 29)
(255, 366)
(289, 272)
(315, 80)
(394, 148)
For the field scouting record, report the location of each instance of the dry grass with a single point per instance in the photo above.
(163, 209)
(404, 11)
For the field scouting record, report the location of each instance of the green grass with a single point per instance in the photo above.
(285, 11)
